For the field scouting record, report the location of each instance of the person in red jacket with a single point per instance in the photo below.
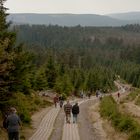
(118, 94)
(55, 100)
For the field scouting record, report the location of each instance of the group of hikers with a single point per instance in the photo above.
(12, 121)
(58, 99)
(99, 94)
(68, 108)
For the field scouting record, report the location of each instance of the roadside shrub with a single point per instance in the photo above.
(64, 96)
(38, 101)
(137, 102)
(25, 117)
(22, 137)
(122, 122)
(108, 107)
(26, 105)
(126, 124)
(133, 95)
(135, 135)
(116, 120)
(22, 105)
(46, 103)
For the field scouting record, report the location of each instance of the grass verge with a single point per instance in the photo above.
(121, 122)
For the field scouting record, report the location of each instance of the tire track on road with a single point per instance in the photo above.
(46, 126)
(70, 131)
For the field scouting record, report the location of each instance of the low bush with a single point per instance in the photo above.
(137, 102)
(108, 107)
(126, 124)
(133, 95)
(26, 105)
(122, 122)
(135, 135)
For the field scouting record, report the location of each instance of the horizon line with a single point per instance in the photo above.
(74, 13)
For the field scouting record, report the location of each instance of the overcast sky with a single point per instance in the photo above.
(72, 6)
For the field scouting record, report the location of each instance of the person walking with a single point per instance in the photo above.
(13, 125)
(97, 93)
(67, 109)
(55, 100)
(75, 112)
(61, 101)
(118, 94)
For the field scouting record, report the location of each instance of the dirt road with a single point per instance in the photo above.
(47, 128)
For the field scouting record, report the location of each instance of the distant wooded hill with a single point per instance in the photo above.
(76, 19)
(133, 16)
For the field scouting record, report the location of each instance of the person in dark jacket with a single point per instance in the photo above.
(13, 124)
(75, 112)
(61, 101)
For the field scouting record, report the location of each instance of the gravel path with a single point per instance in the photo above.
(86, 129)
(70, 131)
(83, 130)
(64, 131)
(54, 127)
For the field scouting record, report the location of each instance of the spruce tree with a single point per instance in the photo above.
(51, 73)
(7, 55)
(3, 15)
(15, 63)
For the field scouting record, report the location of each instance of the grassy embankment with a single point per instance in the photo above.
(134, 97)
(109, 109)
(26, 105)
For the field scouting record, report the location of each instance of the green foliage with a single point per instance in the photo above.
(137, 98)
(126, 124)
(40, 79)
(23, 71)
(77, 77)
(108, 107)
(3, 15)
(99, 78)
(63, 85)
(51, 72)
(25, 105)
(132, 96)
(132, 27)
(122, 122)
(85, 47)
(137, 102)
(135, 135)
(67, 59)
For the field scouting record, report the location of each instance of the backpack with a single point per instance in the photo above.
(75, 109)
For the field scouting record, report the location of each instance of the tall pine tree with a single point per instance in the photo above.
(7, 54)
(15, 63)
(51, 73)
